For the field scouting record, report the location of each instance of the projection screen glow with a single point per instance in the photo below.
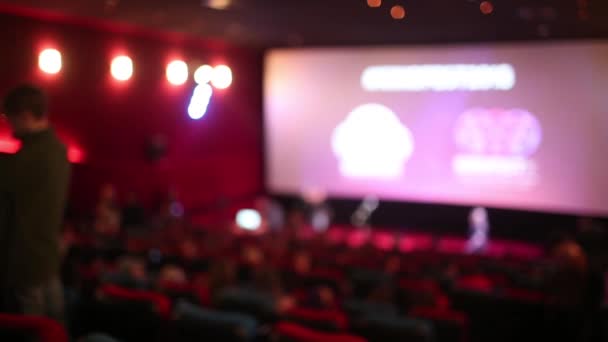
(513, 126)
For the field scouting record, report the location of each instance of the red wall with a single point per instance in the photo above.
(219, 155)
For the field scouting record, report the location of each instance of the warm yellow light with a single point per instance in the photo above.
(374, 3)
(219, 4)
(486, 7)
(398, 12)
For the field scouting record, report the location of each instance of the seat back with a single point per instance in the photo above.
(126, 314)
(291, 332)
(380, 328)
(19, 327)
(449, 325)
(159, 302)
(326, 320)
(193, 323)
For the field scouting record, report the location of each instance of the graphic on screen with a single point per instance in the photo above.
(513, 126)
(497, 143)
(372, 143)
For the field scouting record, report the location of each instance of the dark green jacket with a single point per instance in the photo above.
(33, 189)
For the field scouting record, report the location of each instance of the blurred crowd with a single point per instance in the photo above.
(290, 263)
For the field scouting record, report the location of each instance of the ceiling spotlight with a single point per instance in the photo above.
(374, 3)
(217, 4)
(222, 77)
(177, 72)
(486, 7)
(122, 68)
(398, 12)
(203, 74)
(49, 61)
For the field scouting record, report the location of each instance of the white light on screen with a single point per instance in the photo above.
(49, 61)
(177, 72)
(200, 101)
(203, 74)
(439, 77)
(122, 68)
(222, 77)
(372, 143)
(248, 219)
(479, 165)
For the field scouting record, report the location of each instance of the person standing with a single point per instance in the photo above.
(34, 181)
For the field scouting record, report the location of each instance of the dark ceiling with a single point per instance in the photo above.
(269, 23)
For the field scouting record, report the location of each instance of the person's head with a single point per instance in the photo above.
(296, 218)
(302, 262)
(26, 110)
(132, 198)
(252, 255)
(266, 279)
(188, 249)
(261, 204)
(392, 265)
(133, 266)
(107, 193)
(172, 274)
(223, 273)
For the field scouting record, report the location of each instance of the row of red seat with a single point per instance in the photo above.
(412, 241)
(339, 250)
(288, 326)
(40, 329)
(384, 240)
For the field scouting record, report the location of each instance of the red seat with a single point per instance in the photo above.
(201, 293)
(336, 235)
(450, 245)
(524, 295)
(480, 283)
(384, 241)
(297, 333)
(335, 318)
(92, 271)
(496, 249)
(419, 285)
(424, 291)
(137, 245)
(443, 317)
(161, 303)
(524, 251)
(440, 314)
(416, 242)
(357, 238)
(44, 329)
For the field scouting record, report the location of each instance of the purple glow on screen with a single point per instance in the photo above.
(513, 132)
(497, 143)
